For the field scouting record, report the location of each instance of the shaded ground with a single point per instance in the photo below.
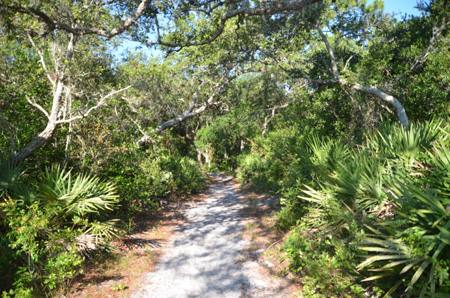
(218, 248)
(208, 257)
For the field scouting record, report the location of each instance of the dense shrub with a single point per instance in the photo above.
(51, 219)
(46, 226)
(386, 198)
(276, 160)
(389, 194)
(324, 261)
(223, 138)
(45, 256)
(143, 177)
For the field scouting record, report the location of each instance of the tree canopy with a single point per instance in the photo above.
(294, 94)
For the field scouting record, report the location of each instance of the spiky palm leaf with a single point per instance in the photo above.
(9, 175)
(439, 177)
(75, 194)
(108, 230)
(394, 141)
(327, 153)
(361, 180)
(327, 212)
(79, 200)
(390, 254)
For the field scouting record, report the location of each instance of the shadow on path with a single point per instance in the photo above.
(207, 259)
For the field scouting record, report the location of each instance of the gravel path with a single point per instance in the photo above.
(208, 258)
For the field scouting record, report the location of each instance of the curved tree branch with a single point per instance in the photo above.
(44, 136)
(188, 113)
(401, 113)
(98, 105)
(55, 25)
(267, 8)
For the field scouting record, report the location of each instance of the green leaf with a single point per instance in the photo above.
(418, 273)
(373, 259)
(409, 266)
(394, 287)
(374, 277)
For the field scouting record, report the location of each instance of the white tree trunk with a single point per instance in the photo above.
(400, 110)
(45, 135)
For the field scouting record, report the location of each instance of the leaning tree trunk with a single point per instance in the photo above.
(44, 136)
(187, 114)
(400, 110)
(35, 144)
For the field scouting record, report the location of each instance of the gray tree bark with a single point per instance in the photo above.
(188, 113)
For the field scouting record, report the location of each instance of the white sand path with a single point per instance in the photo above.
(207, 258)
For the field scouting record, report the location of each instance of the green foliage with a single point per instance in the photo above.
(9, 176)
(76, 195)
(142, 178)
(119, 287)
(222, 138)
(326, 155)
(45, 226)
(279, 162)
(307, 154)
(251, 169)
(187, 176)
(360, 177)
(396, 180)
(275, 160)
(395, 142)
(383, 183)
(417, 244)
(325, 261)
(45, 256)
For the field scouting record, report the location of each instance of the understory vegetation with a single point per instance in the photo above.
(338, 107)
(52, 220)
(375, 211)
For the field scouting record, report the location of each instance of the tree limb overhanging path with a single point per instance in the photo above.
(208, 258)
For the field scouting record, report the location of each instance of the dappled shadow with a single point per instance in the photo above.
(137, 241)
(208, 258)
(93, 279)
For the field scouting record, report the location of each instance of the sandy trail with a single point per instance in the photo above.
(207, 258)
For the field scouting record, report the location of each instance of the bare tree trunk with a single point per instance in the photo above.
(391, 100)
(400, 110)
(68, 111)
(45, 135)
(34, 145)
(268, 118)
(171, 123)
(199, 155)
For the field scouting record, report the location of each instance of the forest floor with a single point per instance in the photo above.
(220, 243)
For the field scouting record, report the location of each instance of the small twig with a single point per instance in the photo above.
(276, 242)
(42, 61)
(38, 106)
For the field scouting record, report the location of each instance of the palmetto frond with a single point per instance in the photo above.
(105, 230)
(327, 153)
(394, 141)
(426, 217)
(9, 175)
(75, 194)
